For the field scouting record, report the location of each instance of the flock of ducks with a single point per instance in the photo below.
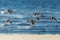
(38, 18)
(8, 11)
(31, 21)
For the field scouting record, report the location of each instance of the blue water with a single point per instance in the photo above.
(24, 11)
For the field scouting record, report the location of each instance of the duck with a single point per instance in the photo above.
(10, 11)
(8, 22)
(36, 14)
(31, 21)
(53, 18)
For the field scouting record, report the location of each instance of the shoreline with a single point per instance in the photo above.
(29, 37)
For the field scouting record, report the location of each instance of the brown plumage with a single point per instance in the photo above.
(36, 14)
